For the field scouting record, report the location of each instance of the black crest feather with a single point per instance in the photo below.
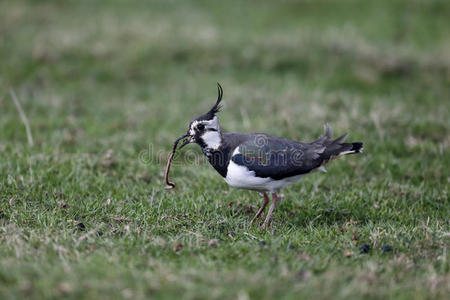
(215, 109)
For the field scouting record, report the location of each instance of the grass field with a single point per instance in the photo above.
(106, 86)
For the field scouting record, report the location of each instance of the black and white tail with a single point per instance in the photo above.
(357, 147)
(337, 147)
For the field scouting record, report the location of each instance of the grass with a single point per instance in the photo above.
(106, 87)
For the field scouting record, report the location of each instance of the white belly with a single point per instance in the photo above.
(241, 177)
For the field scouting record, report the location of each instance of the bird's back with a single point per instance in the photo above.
(279, 158)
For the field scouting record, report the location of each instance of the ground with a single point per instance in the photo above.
(106, 86)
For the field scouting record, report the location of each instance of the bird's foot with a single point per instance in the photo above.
(261, 210)
(269, 214)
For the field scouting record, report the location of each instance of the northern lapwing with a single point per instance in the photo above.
(262, 162)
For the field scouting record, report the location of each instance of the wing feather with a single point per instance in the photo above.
(278, 158)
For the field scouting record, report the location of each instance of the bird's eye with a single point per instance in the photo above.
(200, 126)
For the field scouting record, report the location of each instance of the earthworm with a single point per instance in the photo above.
(171, 185)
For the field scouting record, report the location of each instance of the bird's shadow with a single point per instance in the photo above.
(301, 216)
(327, 216)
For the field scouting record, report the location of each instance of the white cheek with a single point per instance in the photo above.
(212, 139)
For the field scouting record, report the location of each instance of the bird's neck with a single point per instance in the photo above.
(217, 152)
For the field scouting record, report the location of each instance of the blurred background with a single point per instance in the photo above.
(106, 86)
(94, 75)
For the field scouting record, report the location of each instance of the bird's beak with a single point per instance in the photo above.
(189, 139)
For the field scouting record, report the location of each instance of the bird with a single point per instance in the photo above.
(261, 162)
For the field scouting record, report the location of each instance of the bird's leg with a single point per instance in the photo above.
(272, 207)
(263, 207)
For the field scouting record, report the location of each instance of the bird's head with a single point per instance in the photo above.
(205, 129)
